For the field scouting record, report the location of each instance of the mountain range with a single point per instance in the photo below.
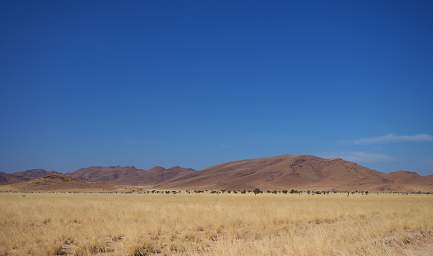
(280, 172)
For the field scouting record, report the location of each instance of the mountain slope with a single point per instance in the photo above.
(59, 182)
(300, 172)
(129, 175)
(22, 176)
(280, 172)
(410, 181)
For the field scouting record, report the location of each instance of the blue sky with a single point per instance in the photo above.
(195, 83)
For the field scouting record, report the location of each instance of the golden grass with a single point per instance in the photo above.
(205, 224)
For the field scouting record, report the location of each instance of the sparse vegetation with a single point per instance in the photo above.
(203, 223)
(257, 191)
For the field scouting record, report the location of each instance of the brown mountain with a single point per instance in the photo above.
(160, 174)
(410, 181)
(59, 182)
(280, 172)
(22, 176)
(300, 172)
(129, 175)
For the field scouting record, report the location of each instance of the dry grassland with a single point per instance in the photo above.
(209, 224)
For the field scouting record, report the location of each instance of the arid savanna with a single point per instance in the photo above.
(215, 224)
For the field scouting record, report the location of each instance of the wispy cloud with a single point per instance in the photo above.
(360, 157)
(393, 138)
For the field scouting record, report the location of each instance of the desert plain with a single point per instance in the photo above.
(137, 224)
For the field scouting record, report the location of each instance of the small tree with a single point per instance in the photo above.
(257, 191)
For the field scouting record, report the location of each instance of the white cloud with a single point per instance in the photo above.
(361, 157)
(393, 138)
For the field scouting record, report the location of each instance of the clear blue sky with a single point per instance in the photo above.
(195, 83)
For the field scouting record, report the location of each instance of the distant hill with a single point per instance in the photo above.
(60, 182)
(130, 175)
(279, 172)
(300, 172)
(22, 176)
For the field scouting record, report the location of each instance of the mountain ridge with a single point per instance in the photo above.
(304, 172)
